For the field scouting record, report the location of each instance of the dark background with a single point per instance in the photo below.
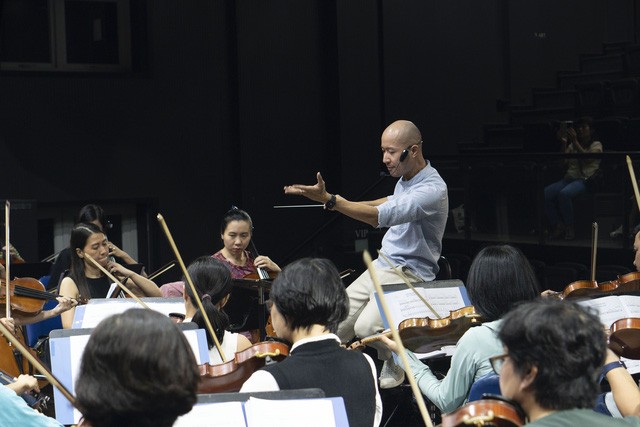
(228, 101)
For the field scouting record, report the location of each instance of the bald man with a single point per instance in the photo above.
(416, 215)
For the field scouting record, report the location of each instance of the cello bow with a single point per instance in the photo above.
(594, 249)
(187, 276)
(7, 255)
(396, 337)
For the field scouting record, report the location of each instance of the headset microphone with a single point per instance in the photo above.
(404, 155)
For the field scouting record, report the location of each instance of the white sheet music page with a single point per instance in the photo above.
(613, 307)
(223, 414)
(289, 413)
(99, 308)
(405, 304)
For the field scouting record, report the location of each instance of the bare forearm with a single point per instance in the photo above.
(148, 287)
(360, 211)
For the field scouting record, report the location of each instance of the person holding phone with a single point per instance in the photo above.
(558, 197)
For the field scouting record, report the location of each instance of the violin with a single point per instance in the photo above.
(491, 411)
(624, 284)
(27, 295)
(12, 361)
(424, 335)
(624, 337)
(229, 376)
(35, 400)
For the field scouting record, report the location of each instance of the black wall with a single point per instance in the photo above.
(231, 100)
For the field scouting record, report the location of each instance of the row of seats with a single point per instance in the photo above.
(617, 133)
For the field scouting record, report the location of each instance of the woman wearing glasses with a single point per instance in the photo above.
(499, 277)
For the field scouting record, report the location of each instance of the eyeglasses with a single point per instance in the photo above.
(497, 362)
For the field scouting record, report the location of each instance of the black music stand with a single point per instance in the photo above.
(250, 294)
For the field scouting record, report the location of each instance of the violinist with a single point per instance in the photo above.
(15, 411)
(624, 390)
(307, 302)
(236, 231)
(95, 215)
(136, 370)
(553, 352)
(416, 215)
(212, 280)
(499, 277)
(86, 280)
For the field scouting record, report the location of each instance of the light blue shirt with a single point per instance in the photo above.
(469, 362)
(16, 413)
(416, 215)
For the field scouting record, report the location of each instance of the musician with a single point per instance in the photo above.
(15, 411)
(624, 390)
(553, 353)
(88, 281)
(499, 277)
(213, 283)
(95, 215)
(137, 370)
(236, 231)
(308, 301)
(416, 215)
(636, 249)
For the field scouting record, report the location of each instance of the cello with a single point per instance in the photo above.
(232, 373)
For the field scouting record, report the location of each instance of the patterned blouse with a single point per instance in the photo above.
(238, 271)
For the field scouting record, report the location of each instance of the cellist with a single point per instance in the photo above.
(499, 277)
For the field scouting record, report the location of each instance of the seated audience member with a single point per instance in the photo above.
(558, 197)
(308, 301)
(93, 214)
(553, 354)
(88, 281)
(499, 277)
(213, 283)
(137, 370)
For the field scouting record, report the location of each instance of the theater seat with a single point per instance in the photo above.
(489, 384)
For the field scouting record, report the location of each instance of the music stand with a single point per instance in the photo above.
(262, 288)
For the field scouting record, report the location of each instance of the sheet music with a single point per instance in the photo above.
(77, 345)
(289, 413)
(112, 289)
(100, 308)
(613, 307)
(225, 414)
(405, 304)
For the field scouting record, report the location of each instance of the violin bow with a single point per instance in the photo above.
(36, 363)
(408, 283)
(162, 269)
(116, 281)
(594, 249)
(7, 257)
(396, 337)
(634, 183)
(191, 285)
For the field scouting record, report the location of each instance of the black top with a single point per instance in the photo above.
(337, 371)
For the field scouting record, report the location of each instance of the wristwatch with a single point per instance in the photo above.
(331, 203)
(611, 366)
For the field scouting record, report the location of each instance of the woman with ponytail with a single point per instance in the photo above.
(213, 283)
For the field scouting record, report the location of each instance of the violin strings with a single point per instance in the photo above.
(33, 293)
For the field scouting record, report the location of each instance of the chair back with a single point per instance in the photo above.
(488, 384)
